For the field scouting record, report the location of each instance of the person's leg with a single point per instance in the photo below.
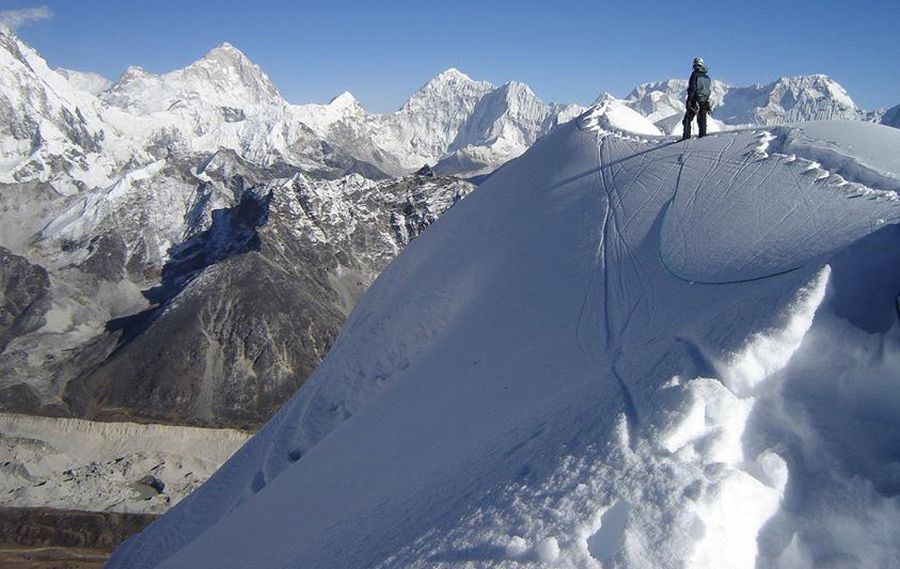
(701, 120)
(688, 118)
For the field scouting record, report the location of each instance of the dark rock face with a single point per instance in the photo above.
(231, 114)
(41, 527)
(248, 308)
(24, 296)
(231, 347)
(425, 171)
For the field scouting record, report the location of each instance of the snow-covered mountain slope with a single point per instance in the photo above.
(619, 351)
(173, 261)
(250, 306)
(789, 99)
(663, 99)
(423, 129)
(121, 467)
(786, 100)
(92, 83)
(47, 126)
(223, 77)
(891, 117)
(503, 125)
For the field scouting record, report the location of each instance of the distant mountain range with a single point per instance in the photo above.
(77, 130)
(123, 199)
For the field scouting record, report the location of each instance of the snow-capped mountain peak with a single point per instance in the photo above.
(227, 67)
(47, 125)
(504, 123)
(791, 91)
(131, 73)
(610, 114)
(225, 76)
(347, 102)
(788, 99)
(450, 75)
(451, 87)
(430, 119)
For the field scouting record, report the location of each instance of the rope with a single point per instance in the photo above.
(662, 259)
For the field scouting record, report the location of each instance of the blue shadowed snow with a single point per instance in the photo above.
(543, 378)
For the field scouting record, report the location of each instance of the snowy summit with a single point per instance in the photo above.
(620, 351)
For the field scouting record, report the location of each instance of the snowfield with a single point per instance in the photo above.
(620, 351)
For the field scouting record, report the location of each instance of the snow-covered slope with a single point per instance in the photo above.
(891, 117)
(48, 128)
(662, 99)
(619, 351)
(429, 121)
(92, 83)
(504, 123)
(789, 99)
(224, 76)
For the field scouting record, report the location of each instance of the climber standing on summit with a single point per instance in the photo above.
(699, 87)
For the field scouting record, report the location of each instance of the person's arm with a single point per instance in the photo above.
(691, 91)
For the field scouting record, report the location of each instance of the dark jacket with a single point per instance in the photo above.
(699, 85)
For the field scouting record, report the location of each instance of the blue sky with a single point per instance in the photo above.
(566, 50)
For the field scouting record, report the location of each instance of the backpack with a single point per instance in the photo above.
(704, 85)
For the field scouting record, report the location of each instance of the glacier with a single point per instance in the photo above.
(619, 351)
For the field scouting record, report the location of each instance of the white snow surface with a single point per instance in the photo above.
(620, 351)
(93, 83)
(611, 115)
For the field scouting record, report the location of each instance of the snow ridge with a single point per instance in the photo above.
(628, 416)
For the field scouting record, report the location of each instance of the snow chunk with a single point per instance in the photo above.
(739, 506)
(769, 351)
(773, 469)
(548, 550)
(516, 548)
(612, 115)
(607, 540)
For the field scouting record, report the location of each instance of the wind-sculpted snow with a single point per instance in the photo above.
(768, 199)
(620, 351)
